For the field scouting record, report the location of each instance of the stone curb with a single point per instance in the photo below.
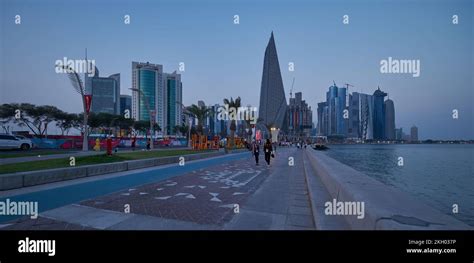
(386, 208)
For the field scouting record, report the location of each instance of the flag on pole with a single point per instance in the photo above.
(88, 100)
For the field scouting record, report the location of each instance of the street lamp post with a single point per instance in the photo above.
(190, 122)
(79, 88)
(189, 132)
(150, 113)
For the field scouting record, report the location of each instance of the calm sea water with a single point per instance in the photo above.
(440, 175)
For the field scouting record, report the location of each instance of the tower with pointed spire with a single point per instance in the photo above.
(273, 105)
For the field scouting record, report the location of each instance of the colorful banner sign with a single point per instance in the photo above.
(88, 100)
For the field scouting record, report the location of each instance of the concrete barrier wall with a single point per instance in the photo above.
(24, 179)
(106, 168)
(137, 164)
(53, 175)
(10, 181)
(386, 207)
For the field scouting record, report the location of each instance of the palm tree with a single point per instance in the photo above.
(232, 104)
(200, 113)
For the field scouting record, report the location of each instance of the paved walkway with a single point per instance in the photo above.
(230, 193)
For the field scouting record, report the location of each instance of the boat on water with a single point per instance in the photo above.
(320, 147)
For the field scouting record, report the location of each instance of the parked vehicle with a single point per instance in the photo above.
(8, 141)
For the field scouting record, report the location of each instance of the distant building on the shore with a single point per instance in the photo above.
(365, 117)
(399, 134)
(322, 124)
(414, 134)
(379, 114)
(331, 120)
(389, 120)
(105, 93)
(300, 117)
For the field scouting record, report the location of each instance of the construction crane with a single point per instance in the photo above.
(291, 90)
(347, 86)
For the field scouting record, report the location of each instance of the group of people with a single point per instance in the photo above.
(134, 143)
(268, 151)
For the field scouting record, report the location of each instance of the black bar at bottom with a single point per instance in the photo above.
(360, 245)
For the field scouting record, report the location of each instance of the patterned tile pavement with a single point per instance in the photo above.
(206, 196)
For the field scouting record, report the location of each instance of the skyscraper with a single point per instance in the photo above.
(340, 104)
(300, 116)
(173, 101)
(331, 98)
(336, 104)
(105, 93)
(162, 91)
(117, 92)
(414, 134)
(148, 78)
(389, 120)
(379, 114)
(365, 117)
(366, 112)
(322, 119)
(273, 106)
(399, 134)
(353, 129)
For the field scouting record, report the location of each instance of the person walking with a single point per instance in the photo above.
(134, 142)
(256, 151)
(268, 150)
(148, 143)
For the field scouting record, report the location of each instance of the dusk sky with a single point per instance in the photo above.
(223, 59)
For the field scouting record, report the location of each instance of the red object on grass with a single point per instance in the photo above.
(109, 146)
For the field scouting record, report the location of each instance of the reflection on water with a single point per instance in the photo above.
(441, 175)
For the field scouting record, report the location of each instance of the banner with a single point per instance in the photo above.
(88, 100)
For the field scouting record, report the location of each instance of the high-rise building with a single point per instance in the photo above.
(414, 134)
(379, 115)
(173, 101)
(340, 103)
(365, 117)
(353, 124)
(336, 104)
(399, 134)
(148, 78)
(273, 105)
(162, 92)
(117, 92)
(366, 111)
(105, 93)
(389, 120)
(300, 117)
(331, 98)
(322, 111)
(125, 104)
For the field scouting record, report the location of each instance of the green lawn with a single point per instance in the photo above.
(93, 159)
(18, 153)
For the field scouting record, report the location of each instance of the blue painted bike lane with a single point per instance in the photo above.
(56, 197)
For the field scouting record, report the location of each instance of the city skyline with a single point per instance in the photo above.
(229, 63)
